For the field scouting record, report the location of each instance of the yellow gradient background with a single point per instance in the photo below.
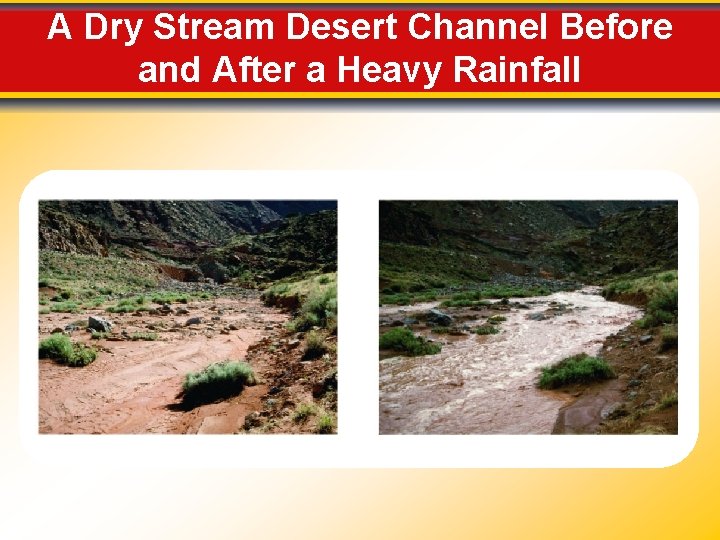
(38, 501)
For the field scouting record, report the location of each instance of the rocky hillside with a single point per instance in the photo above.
(298, 244)
(191, 240)
(169, 221)
(455, 242)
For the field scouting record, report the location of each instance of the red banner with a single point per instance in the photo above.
(429, 49)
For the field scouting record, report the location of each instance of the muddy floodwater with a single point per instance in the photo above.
(486, 384)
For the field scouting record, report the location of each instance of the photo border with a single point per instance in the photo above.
(358, 444)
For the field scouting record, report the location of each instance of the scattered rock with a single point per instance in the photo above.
(182, 311)
(645, 339)
(643, 370)
(613, 410)
(99, 324)
(193, 320)
(536, 317)
(435, 316)
(649, 403)
(609, 409)
(57, 330)
(252, 420)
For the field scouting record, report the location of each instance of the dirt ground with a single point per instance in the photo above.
(638, 400)
(133, 386)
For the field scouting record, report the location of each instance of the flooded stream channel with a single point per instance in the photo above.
(486, 384)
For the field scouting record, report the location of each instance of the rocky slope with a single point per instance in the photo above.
(470, 241)
(191, 240)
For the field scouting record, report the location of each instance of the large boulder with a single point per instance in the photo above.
(99, 324)
(435, 316)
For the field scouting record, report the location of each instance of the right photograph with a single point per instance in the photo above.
(528, 317)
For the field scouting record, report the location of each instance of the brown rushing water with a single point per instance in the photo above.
(486, 384)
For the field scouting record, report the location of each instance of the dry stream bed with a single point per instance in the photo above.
(133, 386)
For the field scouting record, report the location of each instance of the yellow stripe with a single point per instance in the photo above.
(363, 95)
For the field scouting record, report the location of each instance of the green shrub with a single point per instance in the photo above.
(668, 338)
(580, 368)
(315, 346)
(325, 424)
(59, 347)
(217, 381)
(143, 336)
(318, 309)
(304, 411)
(82, 355)
(399, 299)
(667, 401)
(169, 298)
(662, 307)
(403, 340)
(321, 304)
(129, 305)
(64, 307)
(485, 330)
(497, 319)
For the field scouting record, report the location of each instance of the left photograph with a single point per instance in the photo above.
(187, 316)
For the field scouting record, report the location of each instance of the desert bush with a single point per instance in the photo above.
(82, 355)
(64, 307)
(325, 424)
(318, 309)
(580, 368)
(403, 340)
(217, 381)
(143, 336)
(169, 298)
(667, 401)
(59, 347)
(485, 330)
(315, 346)
(304, 411)
(668, 338)
(315, 299)
(663, 304)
